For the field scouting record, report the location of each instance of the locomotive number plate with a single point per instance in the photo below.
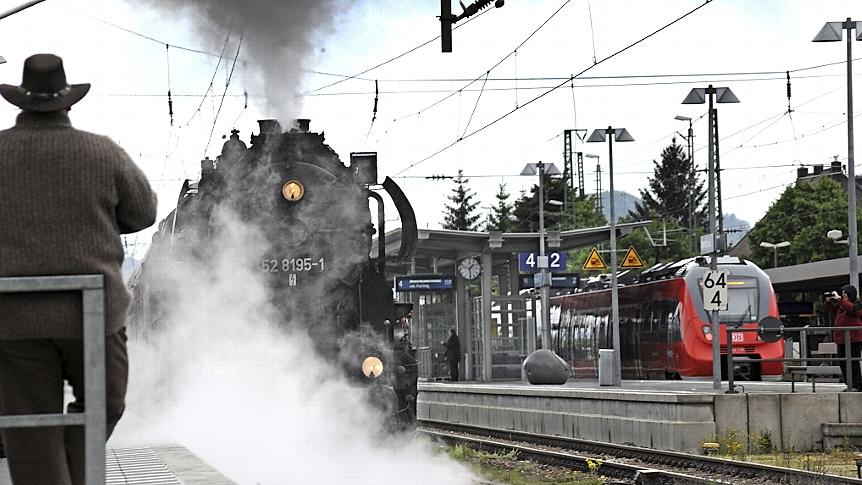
(738, 336)
(292, 265)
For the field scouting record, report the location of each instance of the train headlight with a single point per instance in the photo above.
(707, 333)
(372, 367)
(292, 190)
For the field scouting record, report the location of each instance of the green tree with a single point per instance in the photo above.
(580, 213)
(802, 215)
(668, 193)
(501, 217)
(461, 214)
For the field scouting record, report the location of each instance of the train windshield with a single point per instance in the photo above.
(742, 298)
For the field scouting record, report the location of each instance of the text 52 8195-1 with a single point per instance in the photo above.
(291, 265)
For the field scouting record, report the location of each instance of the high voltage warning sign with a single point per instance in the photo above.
(595, 261)
(632, 259)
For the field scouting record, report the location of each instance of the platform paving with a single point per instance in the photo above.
(135, 457)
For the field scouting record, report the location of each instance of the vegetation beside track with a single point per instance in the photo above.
(500, 468)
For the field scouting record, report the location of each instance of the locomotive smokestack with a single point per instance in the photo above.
(269, 127)
(301, 125)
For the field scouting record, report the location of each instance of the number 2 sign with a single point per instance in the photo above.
(715, 290)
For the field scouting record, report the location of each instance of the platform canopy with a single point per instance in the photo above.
(819, 276)
(452, 245)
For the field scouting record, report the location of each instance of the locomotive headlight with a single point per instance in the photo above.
(292, 190)
(372, 367)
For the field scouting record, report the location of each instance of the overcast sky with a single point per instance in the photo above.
(427, 102)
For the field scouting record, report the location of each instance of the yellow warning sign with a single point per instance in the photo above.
(632, 259)
(595, 261)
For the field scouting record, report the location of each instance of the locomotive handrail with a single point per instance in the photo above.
(848, 358)
(93, 418)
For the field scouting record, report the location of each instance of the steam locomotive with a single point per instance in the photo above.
(314, 252)
(664, 330)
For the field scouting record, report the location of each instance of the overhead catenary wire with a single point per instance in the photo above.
(221, 102)
(506, 115)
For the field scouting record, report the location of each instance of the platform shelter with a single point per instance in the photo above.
(495, 320)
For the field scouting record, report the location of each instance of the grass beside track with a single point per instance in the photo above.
(508, 469)
(834, 462)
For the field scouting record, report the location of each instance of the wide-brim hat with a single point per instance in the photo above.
(43, 86)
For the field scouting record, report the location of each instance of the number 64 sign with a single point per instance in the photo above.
(715, 290)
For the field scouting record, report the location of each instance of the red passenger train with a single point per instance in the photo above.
(664, 331)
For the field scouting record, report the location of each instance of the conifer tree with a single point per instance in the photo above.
(500, 218)
(668, 193)
(461, 215)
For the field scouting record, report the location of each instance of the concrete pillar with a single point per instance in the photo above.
(487, 269)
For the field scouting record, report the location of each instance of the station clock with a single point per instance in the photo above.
(469, 268)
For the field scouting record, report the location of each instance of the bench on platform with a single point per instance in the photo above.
(813, 371)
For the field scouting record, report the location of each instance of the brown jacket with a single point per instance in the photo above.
(66, 195)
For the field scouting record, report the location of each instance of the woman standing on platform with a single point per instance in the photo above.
(848, 313)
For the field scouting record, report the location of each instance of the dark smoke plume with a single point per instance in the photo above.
(278, 36)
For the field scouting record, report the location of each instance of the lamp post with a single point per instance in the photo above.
(775, 246)
(541, 169)
(621, 135)
(689, 141)
(833, 32)
(698, 96)
(598, 185)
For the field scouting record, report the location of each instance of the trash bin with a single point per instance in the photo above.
(606, 367)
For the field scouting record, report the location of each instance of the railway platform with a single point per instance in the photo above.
(667, 415)
(135, 457)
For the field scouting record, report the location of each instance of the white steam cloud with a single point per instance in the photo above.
(278, 36)
(254, 399)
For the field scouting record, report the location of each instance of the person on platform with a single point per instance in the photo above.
(848, 313)
(66, 195)
(453, 354)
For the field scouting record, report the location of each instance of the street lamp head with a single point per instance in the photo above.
(834, 234)
(725, 95)
(783, 244)
(682, 118)
(621, 134)
(597, 136)
(591, 155)
(555, 202)
(551, 169)
(530, 169)
(695, 96)
(765, 244)
(831, 32)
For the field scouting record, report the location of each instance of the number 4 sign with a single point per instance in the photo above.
(715, 290)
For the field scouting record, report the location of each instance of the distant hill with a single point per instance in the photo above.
(735, 228)
(623, 203)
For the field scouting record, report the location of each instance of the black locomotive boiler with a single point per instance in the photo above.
(314, 251)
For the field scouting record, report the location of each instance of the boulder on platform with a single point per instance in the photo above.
(545, 367)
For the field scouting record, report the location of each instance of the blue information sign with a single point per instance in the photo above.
(528, 262)
(562, 280)
(424, 282)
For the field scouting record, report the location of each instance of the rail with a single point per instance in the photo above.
(780, 332)
(93, 418)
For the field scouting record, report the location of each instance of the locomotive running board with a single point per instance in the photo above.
(409, 231)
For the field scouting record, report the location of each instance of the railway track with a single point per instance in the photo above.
(630, 464)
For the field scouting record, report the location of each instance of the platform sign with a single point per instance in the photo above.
(594, 261)
(427, 282)
(559, 280)
(529, 262)
(632, 259)
(715, 290)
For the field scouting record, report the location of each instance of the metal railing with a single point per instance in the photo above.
(781, 332)
(93, 417)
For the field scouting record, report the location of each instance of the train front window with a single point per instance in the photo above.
(742, 299)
